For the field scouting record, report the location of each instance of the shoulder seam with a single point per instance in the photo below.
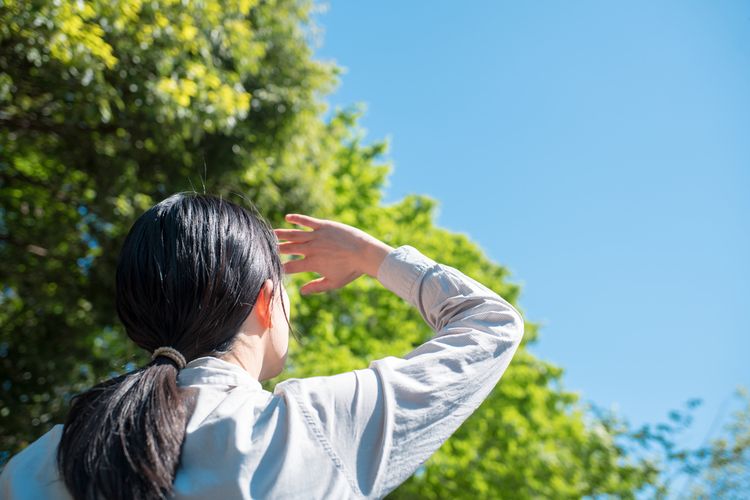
(326, 445)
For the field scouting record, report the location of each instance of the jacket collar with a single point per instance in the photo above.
(208, 370)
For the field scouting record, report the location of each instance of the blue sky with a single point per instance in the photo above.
(600, 151)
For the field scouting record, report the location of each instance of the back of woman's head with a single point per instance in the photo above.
(188, 275)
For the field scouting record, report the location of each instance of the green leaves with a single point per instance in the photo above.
(106, 108)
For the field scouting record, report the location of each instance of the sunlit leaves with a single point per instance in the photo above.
(107, 106)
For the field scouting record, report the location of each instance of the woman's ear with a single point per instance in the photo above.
(262, 308)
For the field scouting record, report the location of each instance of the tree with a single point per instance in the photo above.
(723, 467)
(108, 106)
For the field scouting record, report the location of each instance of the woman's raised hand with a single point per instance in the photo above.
(339, 253)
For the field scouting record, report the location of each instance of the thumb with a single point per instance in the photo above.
(317, 285)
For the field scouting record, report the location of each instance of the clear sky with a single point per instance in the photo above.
(600, 151)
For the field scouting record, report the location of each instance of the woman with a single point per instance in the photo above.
(199, 285)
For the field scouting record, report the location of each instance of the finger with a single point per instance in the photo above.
(304, 220)
(292, 248)
(297, 266)
(292, 234)
(316, 286)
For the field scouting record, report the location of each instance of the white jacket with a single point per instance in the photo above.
(353, 435)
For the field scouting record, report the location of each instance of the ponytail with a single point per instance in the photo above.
(122, 438)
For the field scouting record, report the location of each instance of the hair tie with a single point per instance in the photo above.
(171, 353)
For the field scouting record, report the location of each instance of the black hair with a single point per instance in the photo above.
(188, 276)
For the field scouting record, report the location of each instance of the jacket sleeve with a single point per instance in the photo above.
(380, 424)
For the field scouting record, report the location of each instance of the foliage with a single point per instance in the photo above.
(97, 124)
(108, 106)
(723, 468)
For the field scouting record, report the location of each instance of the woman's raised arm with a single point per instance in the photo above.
(379, 424)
